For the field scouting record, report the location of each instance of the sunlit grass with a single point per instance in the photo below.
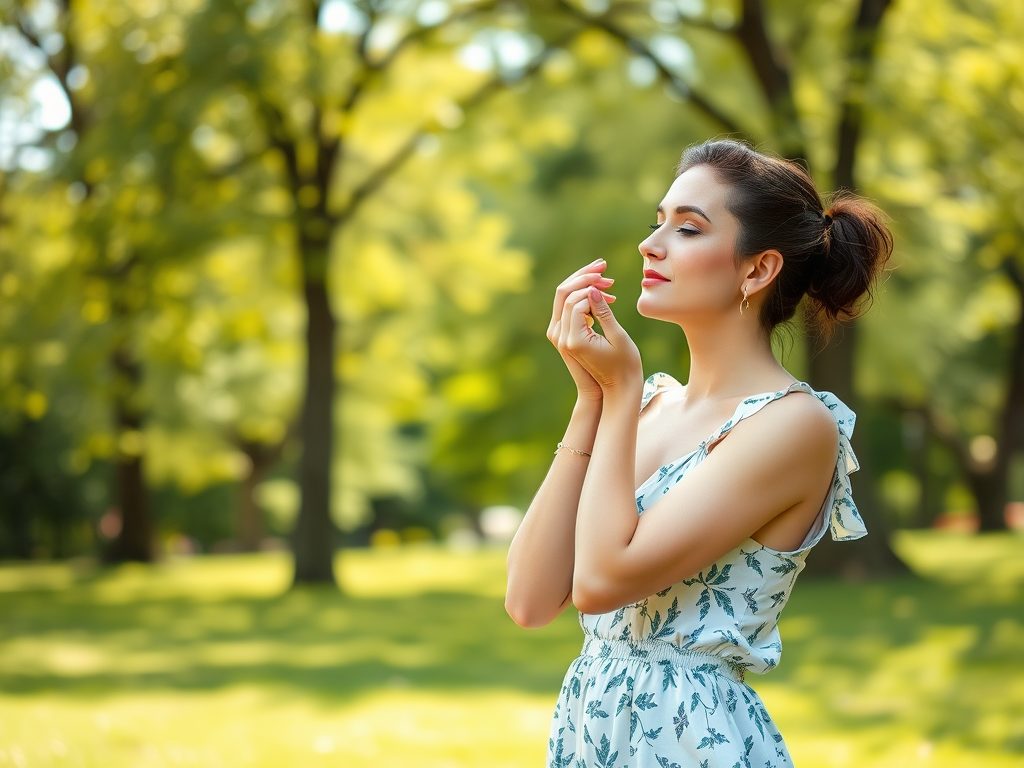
(212, 662)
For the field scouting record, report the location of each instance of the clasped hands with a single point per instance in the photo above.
(600, 363)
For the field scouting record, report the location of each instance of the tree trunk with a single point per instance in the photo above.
(774, 78)
(990, 483)
(313, 539)
(135, 540)
(989, 490)
(831, 369)
(262, 458)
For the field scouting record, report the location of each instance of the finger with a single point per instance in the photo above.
(603, 313)
(597, 265)
(577, 318)
(567, 328)
(581, 319)
(554, 331)
(576, 282)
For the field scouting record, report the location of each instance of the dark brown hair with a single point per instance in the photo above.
(832, 254)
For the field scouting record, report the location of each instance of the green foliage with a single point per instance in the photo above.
(194, 190)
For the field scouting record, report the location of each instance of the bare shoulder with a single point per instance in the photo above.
(798, 425)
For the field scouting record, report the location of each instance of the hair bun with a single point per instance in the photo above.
(856, 245)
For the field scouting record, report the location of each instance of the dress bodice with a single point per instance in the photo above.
(731, 609)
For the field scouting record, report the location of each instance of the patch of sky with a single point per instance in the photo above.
(432, 12)
(341, 16)
(641, 71)
(510, 50)
(674, 53)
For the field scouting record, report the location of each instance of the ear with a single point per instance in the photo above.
(761, 270)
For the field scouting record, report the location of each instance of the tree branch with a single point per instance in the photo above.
(862, 49)
(696, 22)
(371, 67)
(386, 169)
(637, 45)
(774, 78)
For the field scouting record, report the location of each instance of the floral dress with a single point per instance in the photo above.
(660, 683)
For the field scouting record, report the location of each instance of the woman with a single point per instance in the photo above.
(680, 552)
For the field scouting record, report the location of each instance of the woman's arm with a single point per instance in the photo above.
(768, 466)
(771, 463)
(540, 559)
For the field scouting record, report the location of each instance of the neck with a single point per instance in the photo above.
(731, 359)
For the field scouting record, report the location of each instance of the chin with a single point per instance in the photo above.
(645, 307)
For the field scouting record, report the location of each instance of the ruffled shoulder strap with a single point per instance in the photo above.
(844, 520)
(654, 384)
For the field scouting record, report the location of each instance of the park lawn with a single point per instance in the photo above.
(211, 662)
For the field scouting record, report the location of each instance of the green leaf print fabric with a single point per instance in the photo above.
(661, 683)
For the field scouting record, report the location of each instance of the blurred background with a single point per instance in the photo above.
(274, 386)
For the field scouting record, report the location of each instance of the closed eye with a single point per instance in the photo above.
(688, 231)
(655, 226)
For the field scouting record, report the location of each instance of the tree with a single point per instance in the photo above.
(954, 129)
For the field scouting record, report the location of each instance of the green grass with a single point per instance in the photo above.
(210, 662)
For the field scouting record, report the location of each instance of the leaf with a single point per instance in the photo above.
(645, 701)
(754, 715)
(602, 750)
(655, 623)
(752, 562)
(616, 681)
(731, 700)
(694, 636)
(681, 721)
(704, 603)
(786, 566)
(668, 674)
(723, 600)
(748, 596)
(753, 635)
(722, 577)
(623, 701)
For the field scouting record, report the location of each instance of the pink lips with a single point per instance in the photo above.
(652, 278)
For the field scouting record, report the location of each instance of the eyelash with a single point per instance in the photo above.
(680, 230)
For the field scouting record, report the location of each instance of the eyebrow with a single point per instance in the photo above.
(688, 209)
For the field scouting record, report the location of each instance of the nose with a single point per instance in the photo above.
(650, 249)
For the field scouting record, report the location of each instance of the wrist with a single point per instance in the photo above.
(622, 393)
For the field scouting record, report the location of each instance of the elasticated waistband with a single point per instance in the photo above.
(656, 651)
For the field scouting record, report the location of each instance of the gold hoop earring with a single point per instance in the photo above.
(744, 303)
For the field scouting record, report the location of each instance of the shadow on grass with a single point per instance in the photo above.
(943, 659)
(316, 640)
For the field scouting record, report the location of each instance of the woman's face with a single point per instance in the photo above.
(689, 265)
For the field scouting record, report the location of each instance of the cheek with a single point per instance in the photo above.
(707, 274)
(704, 279)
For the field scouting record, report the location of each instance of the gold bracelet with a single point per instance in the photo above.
(571, 450)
